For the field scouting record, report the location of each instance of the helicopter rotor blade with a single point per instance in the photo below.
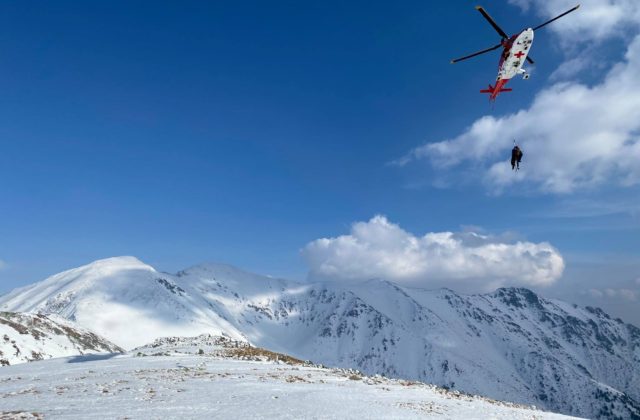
(556, 18)
(530, 60)
(492, 22)
(495, 47)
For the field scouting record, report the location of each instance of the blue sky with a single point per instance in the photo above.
(242, 132)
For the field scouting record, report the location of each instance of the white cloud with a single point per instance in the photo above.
(572, 67)
(573, 136)
(624, 294)
(3, 265)
(465, 261)
(595, 293)
(596, 20)
(628, 294)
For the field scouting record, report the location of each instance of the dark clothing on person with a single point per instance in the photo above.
(516, 157)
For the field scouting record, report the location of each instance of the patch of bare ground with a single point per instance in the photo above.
(294, 378)
(30, 390)
(259, 354)
(460, 395)
(20, 415)
(422, 407)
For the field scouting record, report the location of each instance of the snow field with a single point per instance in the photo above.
(189, 386)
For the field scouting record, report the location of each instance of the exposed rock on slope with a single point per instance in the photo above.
(29, 337)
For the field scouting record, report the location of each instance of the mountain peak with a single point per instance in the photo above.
(101, 268)
(517, 296)
(121, 262)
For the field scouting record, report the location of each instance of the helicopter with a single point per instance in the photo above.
(515, 51)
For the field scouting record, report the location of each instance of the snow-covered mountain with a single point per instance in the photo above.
(215, 377)
(509, 345)
(30, 337)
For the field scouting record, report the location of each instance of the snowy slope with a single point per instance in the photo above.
(185, 385)
(29, 337)
(122, 299)
(510, 345)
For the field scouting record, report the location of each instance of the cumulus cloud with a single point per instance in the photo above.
(574, 137)
(465, 261)
(596, 20)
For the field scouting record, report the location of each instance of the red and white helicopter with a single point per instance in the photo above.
(515, 51)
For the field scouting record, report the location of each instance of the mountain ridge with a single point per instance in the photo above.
(510, 344)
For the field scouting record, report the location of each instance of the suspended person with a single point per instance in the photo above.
(516, 157)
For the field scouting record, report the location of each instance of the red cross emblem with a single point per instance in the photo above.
(520, 54)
